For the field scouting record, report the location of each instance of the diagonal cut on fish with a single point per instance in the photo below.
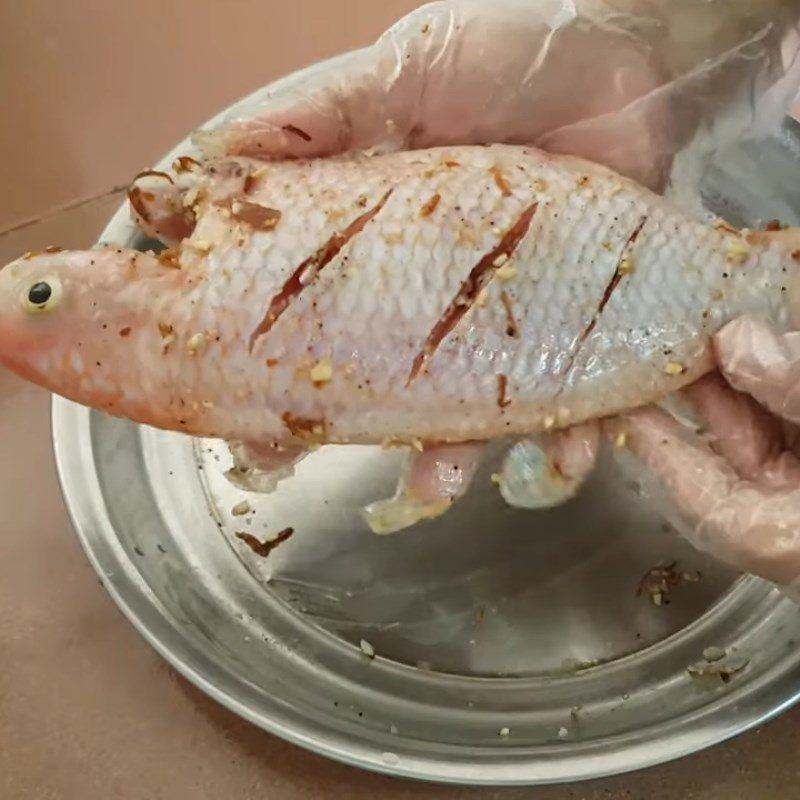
(311, 267)
(624, 266)
(477, 280)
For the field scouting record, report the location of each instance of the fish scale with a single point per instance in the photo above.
(614, 296)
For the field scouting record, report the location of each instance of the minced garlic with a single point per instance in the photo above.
(507, 272)
(240, 509)
(203, 246)
(195, 343)
(626, 264)
(674, 369)
(321, 372)
(367, 649)
(738, 251)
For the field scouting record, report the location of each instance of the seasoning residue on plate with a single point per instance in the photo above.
(660, 581)
(242, 508)
(367, 649)
(263, 549)
(718, 664)
(713, 653)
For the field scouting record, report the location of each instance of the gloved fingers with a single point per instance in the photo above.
(514, 74)
(741, 431)
(547, 470)
(695, 476)
(368, 99)
(752, 527)
(433, 478)
(758, 445)
(624, 82)
(573, 451)
(756, 530)
(791, 437)
(757, 360)
(324, 115)
(427, 82)
(442, 471)
(638, 143)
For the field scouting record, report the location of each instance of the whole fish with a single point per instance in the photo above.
(448, 295)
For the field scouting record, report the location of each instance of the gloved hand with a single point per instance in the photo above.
(739, 489)
(764, 364)
(622, 82)
(468, 72)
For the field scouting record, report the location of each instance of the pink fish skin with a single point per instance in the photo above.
(447, 295)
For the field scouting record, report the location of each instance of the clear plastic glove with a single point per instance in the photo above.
(548, 470)
(627, 83)
(738, 486)
(764, 364)
(623, 82)
(433, 478)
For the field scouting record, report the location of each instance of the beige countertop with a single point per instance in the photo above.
(87, 709)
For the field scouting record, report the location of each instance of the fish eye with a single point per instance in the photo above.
(42, 296)
(40, 293)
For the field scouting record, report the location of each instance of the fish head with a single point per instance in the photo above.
(67, 316)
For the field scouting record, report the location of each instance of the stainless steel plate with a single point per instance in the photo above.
(512, 647)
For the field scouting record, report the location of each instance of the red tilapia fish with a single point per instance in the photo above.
(449, 295)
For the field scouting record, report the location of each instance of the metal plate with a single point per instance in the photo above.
(512, 647)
